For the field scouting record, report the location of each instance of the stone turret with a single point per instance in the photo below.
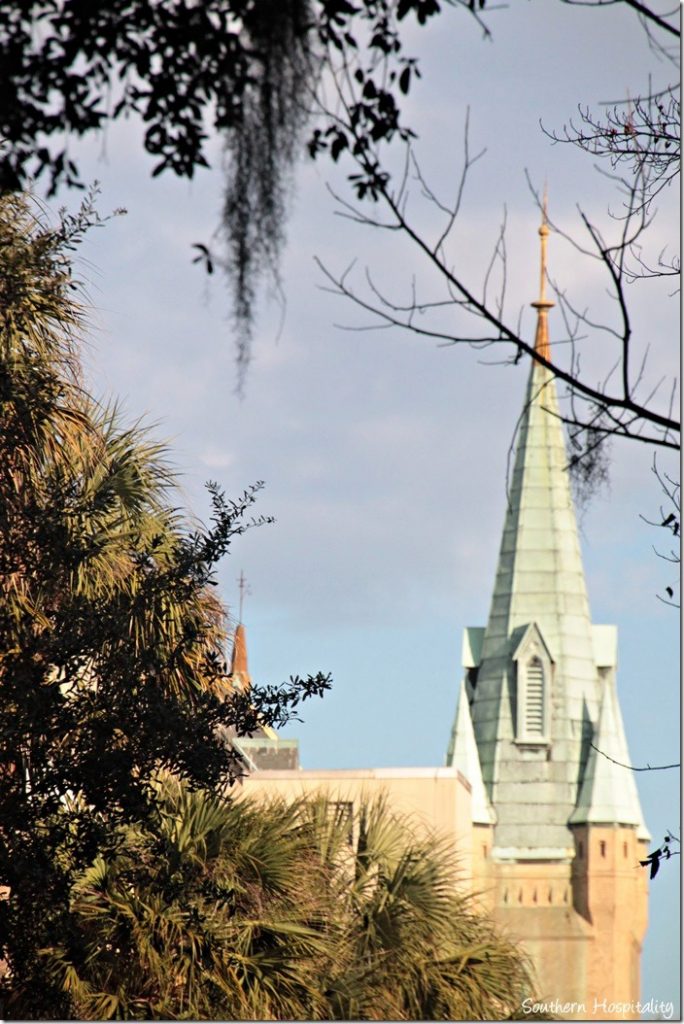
(463, 756)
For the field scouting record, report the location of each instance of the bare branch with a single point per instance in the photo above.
(641, 135)
(642, 9)
(631, 767)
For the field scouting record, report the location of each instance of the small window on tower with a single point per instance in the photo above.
(602, 848)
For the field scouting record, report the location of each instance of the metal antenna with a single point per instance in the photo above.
(244, 589)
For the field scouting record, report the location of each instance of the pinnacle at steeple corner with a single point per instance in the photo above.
(608, 793)
(463, 756)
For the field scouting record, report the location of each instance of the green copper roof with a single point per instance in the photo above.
(539, 580)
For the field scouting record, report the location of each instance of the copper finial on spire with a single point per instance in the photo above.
(541, 341)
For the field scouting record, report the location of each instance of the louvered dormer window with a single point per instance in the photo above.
(534, 669)
(534, 698)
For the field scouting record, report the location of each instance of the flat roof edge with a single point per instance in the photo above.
(361, 773)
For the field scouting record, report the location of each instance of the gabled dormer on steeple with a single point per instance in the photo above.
(534, 680)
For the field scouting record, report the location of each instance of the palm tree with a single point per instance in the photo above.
(200, 914)
(227, 908)
(411, 945)
(102, 588)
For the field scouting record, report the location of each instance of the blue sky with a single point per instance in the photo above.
(384, 456)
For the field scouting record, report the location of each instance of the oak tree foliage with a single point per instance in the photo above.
(112, 639)
(246, 70)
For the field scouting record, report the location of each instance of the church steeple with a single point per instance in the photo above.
(557, 829)
(239, 671)
(536, 691)
(261, 748)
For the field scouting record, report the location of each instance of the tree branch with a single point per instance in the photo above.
(631, 768)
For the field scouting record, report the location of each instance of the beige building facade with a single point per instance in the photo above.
(543, 813)
(435, 799)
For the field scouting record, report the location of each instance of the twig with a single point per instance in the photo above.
(648, 768)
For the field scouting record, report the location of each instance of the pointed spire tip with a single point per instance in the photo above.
(543, 304)
(239, 670)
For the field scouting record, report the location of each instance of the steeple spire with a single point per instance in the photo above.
(239, 671)
(537, 691)
(542, 305)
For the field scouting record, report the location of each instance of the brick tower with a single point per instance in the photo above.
(557, 826)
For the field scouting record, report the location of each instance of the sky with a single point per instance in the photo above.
(384, 455)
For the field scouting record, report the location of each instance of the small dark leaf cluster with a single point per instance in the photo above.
(663, 852)
(67, 68)
(378, 73)
(89, 63)
(247, 70)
